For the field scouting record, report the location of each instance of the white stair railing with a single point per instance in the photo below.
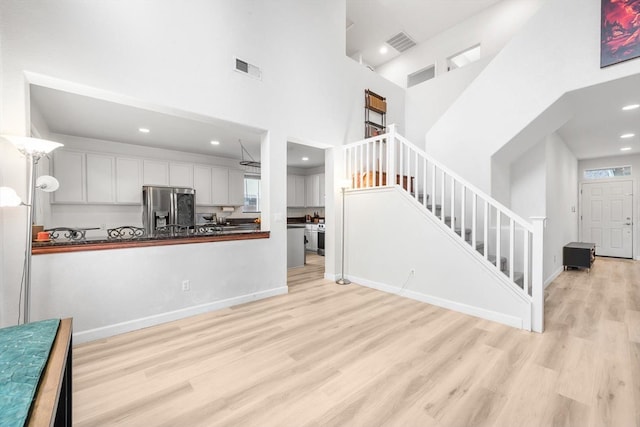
(508, 243)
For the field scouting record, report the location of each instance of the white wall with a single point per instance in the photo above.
(491, 28)
(416, 240)
(561, 203)
(629, 160)
(426, 102)
(528, 183)
(180, 57)
(544, 182)
(535, 68)
(114, 291)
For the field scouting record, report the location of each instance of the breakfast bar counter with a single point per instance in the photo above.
(100, 243)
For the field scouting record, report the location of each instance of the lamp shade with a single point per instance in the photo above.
(33, 146)
(9, 197)
(47, 183)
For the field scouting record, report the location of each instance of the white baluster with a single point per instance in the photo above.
(463, 197)
(511, 248)
(453, 204)
(391, 156)
(380, 168)
(442, 200)
(370, 182)
(433, 189)
(525, 251)
(498, 215)
(486, 229)
(424, 182)
(474, 220)
(537, 285)
(415, 181)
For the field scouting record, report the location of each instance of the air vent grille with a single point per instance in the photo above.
(401, 42)
(249, 69)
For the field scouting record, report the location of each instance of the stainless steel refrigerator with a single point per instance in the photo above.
(168, 210)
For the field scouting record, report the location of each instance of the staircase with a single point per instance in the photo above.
(510, 246)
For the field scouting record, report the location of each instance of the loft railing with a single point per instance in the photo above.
(508, 243)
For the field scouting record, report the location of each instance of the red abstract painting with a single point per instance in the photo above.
(620, 31)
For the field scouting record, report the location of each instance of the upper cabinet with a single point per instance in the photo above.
(101, 185)
(69, 169)
(128, 181)
(236, 187)
(155, 172)
(225, 186)
(305, 191)
(202, 183)
(96, 178)
(296, 191)
(181, 175)
(314, 190)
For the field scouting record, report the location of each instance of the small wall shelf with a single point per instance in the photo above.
(376, 123)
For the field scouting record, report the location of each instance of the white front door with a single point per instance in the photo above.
(606, 217)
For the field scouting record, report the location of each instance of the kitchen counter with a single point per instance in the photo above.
(102, 243)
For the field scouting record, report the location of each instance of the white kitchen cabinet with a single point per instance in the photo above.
(155, 172)
(128, 181)
(202, 182)
(219, 186)
(314, 190)
(236, 187)
(296, 191)
(69, 169)
(100, 178)
(311, 233)
(181, 174)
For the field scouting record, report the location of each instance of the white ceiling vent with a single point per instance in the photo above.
(401, 42)
(249, 69)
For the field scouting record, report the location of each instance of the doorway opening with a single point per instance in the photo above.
(306, 225)
(607, 217)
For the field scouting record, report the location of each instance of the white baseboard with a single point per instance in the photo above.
(444, 303)
(145, 322)
(553, 276)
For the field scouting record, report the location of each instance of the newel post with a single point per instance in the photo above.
(391, 155)
(537, 280)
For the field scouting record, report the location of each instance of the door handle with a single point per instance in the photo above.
(627, 223)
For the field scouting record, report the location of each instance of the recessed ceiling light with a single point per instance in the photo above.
(384, 49)
(214, 142)
(627, 135)
(625, 149)
(630, 107)
(305, 159)
(144, 130)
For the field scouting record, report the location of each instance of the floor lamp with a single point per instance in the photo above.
(33, 149)
(342, 280)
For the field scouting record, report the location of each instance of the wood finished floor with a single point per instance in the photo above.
(329, 355)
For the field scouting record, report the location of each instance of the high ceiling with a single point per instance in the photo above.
(372, 22)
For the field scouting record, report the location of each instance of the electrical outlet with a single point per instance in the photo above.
(412, 272)
(554, 259)
(186, 285)
(103, 226)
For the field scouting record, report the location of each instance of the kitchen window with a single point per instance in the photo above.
(251, 193)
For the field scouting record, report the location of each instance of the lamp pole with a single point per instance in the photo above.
(33, 149)
(342, 280)
(31, 161)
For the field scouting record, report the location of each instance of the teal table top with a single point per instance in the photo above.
(24, 351)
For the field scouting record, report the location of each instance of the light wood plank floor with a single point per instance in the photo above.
(312, 270)
(329, 355)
